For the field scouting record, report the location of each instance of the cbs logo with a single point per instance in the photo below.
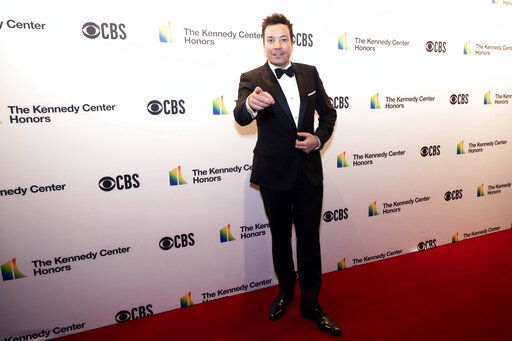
(336, 215)
(431, 151)
(453, 195)
(459, 99)
(120, 182)
(168, 107)
(303, 39)
(178, 241)
(107, 31)
(340, 102)
(133, 314)
(429, 244)
(438, 46)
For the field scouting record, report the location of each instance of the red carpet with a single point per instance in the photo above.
(461, 291)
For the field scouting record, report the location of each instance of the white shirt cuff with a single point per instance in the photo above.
(319, 143)
(249, 109)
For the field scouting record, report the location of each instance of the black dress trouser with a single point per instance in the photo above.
(302, 205)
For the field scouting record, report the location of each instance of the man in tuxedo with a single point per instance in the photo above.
(282, 97)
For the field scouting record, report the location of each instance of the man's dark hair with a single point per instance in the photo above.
(275, 19)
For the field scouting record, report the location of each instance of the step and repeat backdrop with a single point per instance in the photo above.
(124, 185)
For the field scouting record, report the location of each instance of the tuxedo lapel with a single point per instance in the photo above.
(270, 80)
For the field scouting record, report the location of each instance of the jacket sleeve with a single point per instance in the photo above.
(245, 88)
(325, 110)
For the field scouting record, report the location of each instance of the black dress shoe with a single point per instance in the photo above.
(278, 307)
(322, 320)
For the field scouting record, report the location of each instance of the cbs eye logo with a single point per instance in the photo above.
(172, 107)
(328, 216)
(107, 183)
(135, 313)
(91, 30)
(453, 195)
(123, 316)
(120, 182)
(106, 30)
(430, 151)
(178, 241)
(438, 46)
(422, 246)
(336, 215)
(459, 99)
(155, 107)
(429, 244)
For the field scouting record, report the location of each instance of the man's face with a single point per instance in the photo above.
(278, 45)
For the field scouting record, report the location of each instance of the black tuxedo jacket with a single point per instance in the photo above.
(276, 160)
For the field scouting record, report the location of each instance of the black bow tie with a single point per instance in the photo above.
(289, 72)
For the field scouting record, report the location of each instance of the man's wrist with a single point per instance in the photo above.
(249, 109)
(319, 143)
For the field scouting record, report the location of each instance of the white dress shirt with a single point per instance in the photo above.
(291, 92)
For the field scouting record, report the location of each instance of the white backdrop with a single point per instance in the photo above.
(101, 102)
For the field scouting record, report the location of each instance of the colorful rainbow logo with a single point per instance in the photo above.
(342, 265)
(487, 98)
(342, 42)
(496, 2)
(186, 301)
(11, 271)
(175, 177)
(455, 237)
(372, 209)
(342, 162)
(460, 148)
(225, 234)
(375, 102)
(480, 191)
(218, 106)
(165, 34)
(467, 49)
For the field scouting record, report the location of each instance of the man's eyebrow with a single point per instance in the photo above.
(281, 36)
